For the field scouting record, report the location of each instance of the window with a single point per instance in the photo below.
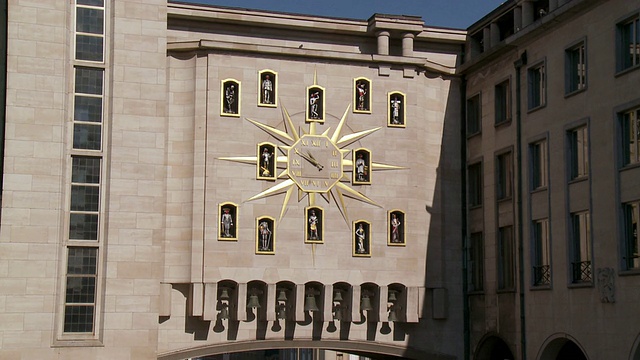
(631, 244)
(541, 259)
(631, 137)
(536, 86)
(538, 151)
(504, 176)
(476, 262)
(473, 115)
(578, 153)
(580, 247)
(85, 195)
(87, 126)
(628, 43)
(576, 68)
(475, 184)
(90, 30)
(505, 258)
(80, 290)
(503, 102)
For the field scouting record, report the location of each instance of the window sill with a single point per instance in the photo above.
(539, 189)
(540, 287)
(478, 133)
(504, 199)
(77, 342)
(578, 285)
(629, 272)
(503, 123)
(579, 179)
(574, 92)
(475, 292)
(534, 109)
(506, 291)
(630, 166)
(627, 70)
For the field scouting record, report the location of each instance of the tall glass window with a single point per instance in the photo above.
(541, 253)
(581, 247)
(90, 30)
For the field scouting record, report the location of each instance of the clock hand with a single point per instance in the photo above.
(309, 159)
(316, 163)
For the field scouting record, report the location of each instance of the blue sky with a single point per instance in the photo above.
(444, 13)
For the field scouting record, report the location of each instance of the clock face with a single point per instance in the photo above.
(314, 163)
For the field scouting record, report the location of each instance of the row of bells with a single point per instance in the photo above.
(309, 304)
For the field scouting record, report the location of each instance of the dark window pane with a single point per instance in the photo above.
(84, 198)
(88, 109)
(89, 20)
(83, 227)
(82, 260)
(89, 81)
(78, 319)
(87, 136)
(85, 170)
(89, 48)
(81, 289)
(91, 2)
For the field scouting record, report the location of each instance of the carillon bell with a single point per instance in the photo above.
(254, 302)
(310, 303)
(392, 296)
(224, 295)
(282, 296)
(392, 315)
(365, 303)
(224, 313)
(337, 296)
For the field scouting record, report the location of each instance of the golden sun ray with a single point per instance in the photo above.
(289, 138)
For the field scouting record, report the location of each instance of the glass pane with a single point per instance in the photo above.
(89, 48)
(87, 136)
(89, 20)
(82, 260)
(83, 227)
(91, 2)
(85, 170)
(88, 109)
(78, 319)
(84, 198)
(80, 289)
(89, 81)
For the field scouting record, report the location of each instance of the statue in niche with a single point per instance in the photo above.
(606, 285)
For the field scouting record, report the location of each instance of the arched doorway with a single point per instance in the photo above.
(493, 348)
(562, 348)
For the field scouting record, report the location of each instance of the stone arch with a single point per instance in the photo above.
(561, 346)
(492, 346)
(367, 348)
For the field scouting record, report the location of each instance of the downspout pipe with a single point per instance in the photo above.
(463, 198)
(518, 64)
(4, 18)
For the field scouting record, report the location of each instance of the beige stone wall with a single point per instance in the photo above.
(602, 330)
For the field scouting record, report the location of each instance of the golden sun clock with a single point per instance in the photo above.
(314, 163)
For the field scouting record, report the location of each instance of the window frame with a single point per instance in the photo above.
(537, 85)
(505, 258)
(581, 270)
(625, 134)
(630, 247)
(539, 164)
(575, 80)
(579, 157)
(97, 35)
(469, 116)
(475, 265)
(541, 253)
(502, 102)
(620, 64)
(476, 190)
(504, 179)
